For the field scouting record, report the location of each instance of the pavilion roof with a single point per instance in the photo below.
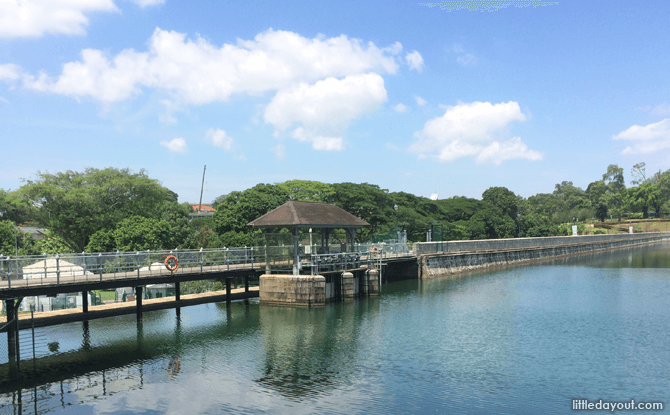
(308, 215)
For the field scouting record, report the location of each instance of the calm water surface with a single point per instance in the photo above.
(521, 340)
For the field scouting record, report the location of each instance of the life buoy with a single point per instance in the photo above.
(168, 263)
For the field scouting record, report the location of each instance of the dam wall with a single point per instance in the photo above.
(437, 259)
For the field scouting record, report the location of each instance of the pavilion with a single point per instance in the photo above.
(295, 215)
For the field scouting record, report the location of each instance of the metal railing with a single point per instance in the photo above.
(24, 271)
(104, 266)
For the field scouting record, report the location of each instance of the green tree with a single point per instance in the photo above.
(75, 205)
(638, 174)
(601, 211)
(307, 191)
(503, 199)
(13, 240)
(232, 216)
(136, 233)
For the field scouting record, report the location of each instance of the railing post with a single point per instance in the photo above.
(245, 254)
(227, 259)
(57, 268)
(252, 257)
(201, 259)
(100, 264)
(149, 257)
(137, 262)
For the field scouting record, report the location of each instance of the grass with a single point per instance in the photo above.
(106, 295)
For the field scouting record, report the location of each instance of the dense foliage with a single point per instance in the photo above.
(116, 209)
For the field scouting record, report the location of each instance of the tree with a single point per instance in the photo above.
(75, 205)
(503, 199)
(136, 233)
(239, 208)
(219, 200)
(13, 239)
(307, 191)
(366, 201)
(601, 211)
(616, 188)
(638, 174)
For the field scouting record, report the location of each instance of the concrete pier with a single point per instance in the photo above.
(292, 290)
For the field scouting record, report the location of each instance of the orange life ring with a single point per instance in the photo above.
(167, 263)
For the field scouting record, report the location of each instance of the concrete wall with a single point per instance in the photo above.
(302, 290)
(516, 243)
(444, 263)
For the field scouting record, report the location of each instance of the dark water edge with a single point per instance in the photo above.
(519, 340)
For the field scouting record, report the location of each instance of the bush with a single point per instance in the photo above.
(599, 231)
(639, 215)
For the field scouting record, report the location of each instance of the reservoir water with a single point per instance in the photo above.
(522, 340)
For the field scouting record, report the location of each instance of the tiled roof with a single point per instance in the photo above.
(309, 214)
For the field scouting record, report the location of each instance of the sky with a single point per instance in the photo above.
(449, 98)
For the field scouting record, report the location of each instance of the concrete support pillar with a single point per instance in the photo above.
(177, 291)
(84, 301)
(296, 261)
(138, 301)
(373, 282)
(228, 291)
(348, 291)
(246, 284)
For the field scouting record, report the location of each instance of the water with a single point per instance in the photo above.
(522, 340)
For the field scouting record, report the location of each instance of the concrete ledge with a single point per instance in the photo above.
(292, 290)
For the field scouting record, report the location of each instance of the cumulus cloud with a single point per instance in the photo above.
(199, 72)
(415, 61)
(420, 101)
(648, 139)
(220, 139)
(400, 107)
(34, 18)
(178, 145)
(9, 72)
(324, 110)
(473, 130)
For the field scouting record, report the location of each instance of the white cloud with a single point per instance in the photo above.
(9, 72)
(464, 59)
(661, 109)
(279, 150)
(420, 101)
(146, 3)
(34, 18)
(199, 72)
(472, 130)
(220, 139)
(390, 146)
(648, 139)
(325, 109)
(3, 99)
(400, 107)
(415, 61)
(178, 145)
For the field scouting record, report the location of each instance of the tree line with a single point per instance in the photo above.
(117, 209)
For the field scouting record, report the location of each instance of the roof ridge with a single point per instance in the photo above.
(294, 212)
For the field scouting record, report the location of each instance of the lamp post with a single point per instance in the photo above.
(395, 207)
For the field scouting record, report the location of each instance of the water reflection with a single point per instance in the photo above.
(310, 351)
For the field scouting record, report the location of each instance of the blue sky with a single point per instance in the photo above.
(409, 97)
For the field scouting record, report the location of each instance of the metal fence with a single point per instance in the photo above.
(23, 271)
(104, 266)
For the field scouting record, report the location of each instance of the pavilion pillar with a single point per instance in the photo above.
(296, 261)
(327, 237)
(352, 238)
